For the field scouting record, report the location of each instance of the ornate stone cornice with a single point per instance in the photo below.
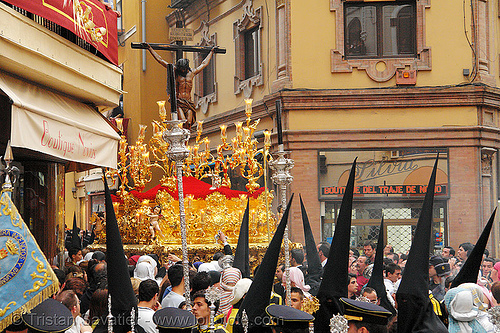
(470, 94)
(450, 136)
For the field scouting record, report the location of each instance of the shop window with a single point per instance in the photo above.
(380, 29)
(380, 37)
(248, 62)
(400, 220)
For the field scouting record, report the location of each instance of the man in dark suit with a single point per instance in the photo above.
(278, 287)
(298, 260)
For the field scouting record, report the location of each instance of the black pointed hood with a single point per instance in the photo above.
(470, 269)
(415, 311)
(120, 288)
(76, 241)
(314, 268)
(242, 253)
(334, 283)
(377, 279)
(259, 294)
(88, 238)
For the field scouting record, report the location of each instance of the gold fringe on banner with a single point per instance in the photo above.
(37, 299)
(7, 207)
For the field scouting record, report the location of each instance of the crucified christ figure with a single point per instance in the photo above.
(184, 84)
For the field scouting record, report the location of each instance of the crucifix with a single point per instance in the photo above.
(180, 77)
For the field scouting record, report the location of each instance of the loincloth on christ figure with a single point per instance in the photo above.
(185, 105)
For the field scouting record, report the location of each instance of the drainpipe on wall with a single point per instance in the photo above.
(143, 17)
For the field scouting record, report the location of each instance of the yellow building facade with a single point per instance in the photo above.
(393, 83)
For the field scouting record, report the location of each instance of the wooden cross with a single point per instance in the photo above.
(170, 68)
(183, 48)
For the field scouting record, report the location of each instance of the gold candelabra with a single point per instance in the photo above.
(204, 217)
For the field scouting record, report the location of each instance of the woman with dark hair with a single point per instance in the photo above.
(98, 307)
(77, 285)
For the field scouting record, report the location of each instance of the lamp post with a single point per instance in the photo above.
(177, 138)
(281, 167)
(11, 172)
(282, 178)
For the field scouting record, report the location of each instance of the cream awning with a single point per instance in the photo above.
(56, 125)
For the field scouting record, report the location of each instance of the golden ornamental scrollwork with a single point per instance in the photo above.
(310, 305)
(7, 307)
(84, 19)
(40, 268)
(7, 209)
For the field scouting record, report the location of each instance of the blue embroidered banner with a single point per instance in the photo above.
(26, 278)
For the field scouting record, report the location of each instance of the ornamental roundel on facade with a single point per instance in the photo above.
(13, 253)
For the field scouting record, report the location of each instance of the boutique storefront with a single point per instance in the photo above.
(390, 184)
(50, 134)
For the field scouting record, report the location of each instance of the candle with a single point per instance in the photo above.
(267, 138)
(278, 122)
(223, 131)
(116, 206)
(142, 131)
(9, 157)
(145, 156)
(123, 145)
(200, 126)
(171, 90)
(119, 124)
(246, 130)
(248, 107)
(156, 129)
(162, 110)
(238, 125)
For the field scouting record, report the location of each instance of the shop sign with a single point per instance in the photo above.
(381, 173)
(62, 140)
(385, 189)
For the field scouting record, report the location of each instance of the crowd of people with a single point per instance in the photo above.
(157, 285)
(370, 289)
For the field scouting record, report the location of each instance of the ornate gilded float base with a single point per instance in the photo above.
(204, 219)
